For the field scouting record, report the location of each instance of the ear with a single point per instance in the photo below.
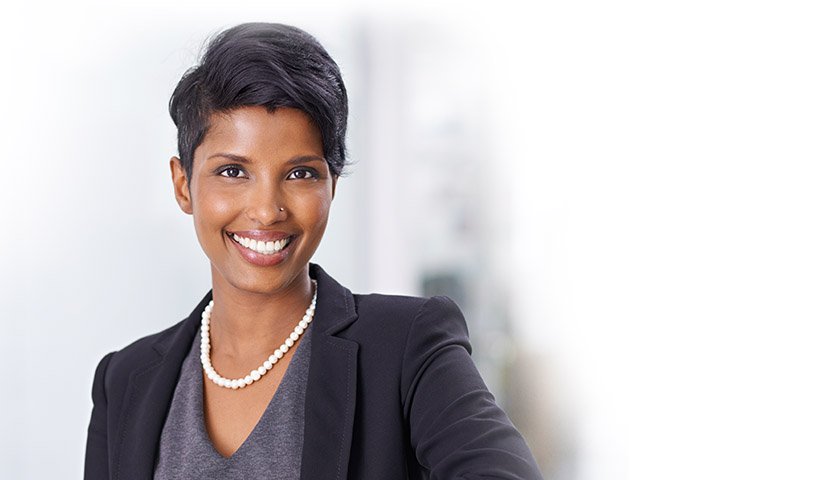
(182, 190)
(333, 186)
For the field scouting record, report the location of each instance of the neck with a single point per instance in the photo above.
(247, 323)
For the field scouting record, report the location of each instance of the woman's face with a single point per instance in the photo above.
(260, 193)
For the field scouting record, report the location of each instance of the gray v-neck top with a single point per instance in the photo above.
(273, 450)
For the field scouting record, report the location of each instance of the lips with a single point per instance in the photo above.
(264, 235)
(262, 248)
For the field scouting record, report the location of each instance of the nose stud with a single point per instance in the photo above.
(281, 209)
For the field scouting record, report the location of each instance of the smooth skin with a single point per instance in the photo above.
(251, 163)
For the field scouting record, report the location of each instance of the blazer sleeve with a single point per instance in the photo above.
(96, 462)
(456, 428)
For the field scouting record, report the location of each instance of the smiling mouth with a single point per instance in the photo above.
(261, 247)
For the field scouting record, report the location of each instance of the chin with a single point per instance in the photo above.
(261, 286)
(256, 282)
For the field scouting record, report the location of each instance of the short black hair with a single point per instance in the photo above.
(262, 64)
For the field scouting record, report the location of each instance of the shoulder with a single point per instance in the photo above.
(406, 310)
(401, 304)
(406, 321)
(377, 303)
(147, 347)
(117, 366)
(151, 348)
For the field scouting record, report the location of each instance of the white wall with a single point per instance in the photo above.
(667, 231)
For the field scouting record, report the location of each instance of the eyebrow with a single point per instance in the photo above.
(245, 160)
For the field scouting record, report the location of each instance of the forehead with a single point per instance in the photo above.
(257, 133)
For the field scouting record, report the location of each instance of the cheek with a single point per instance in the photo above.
(212, 211)
(318, 208)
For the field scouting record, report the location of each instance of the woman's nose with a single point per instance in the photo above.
(266, 204)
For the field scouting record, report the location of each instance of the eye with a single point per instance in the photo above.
(303, 174)
(232, 171)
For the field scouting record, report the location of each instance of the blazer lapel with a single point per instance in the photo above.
(148, 400)
(330, 399)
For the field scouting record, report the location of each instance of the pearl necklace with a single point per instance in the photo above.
(257, 373)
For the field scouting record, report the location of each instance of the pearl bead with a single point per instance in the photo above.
(205, 348)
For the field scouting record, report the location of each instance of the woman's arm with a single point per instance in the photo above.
(96, 466)
(456, 428)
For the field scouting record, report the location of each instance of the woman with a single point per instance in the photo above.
(281, 372)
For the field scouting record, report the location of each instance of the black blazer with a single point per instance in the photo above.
(392, 394)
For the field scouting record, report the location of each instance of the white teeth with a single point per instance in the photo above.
(266, 248)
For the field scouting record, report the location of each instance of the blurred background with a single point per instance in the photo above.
(621, 196)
